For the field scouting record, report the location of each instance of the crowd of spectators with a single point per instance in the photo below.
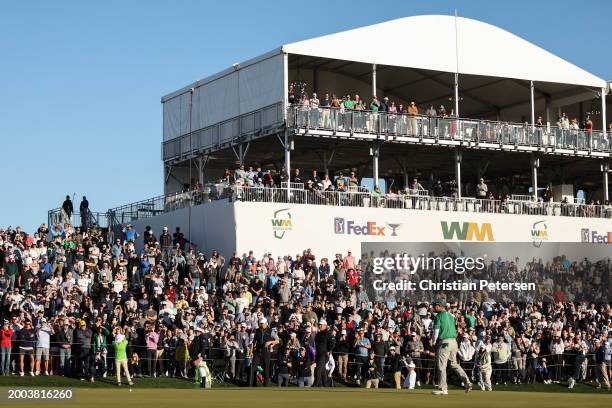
(493, 199)
(88, 304)
(299, 97)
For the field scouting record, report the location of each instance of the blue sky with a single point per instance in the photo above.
(81, 82)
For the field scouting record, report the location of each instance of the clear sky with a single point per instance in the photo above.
(81, 82)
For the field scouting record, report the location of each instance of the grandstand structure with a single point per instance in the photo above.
(503, 94)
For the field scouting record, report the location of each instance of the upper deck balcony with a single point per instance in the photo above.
(446, 131)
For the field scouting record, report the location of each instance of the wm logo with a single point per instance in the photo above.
(467, 231)
(281, 223)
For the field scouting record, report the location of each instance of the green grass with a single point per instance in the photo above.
(179, 383)
(328, 398)
(171, 392)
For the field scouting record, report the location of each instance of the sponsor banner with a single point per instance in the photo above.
(287, 228)
(486, 271)
(596, 237)
(281, 222)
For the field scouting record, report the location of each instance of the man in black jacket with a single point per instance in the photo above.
(394, 362)
(165, 241)
(65, 338)
(263, 342)
(84, 362)
(324, 344)
(68, 208)
(84, 211)
(601, 367)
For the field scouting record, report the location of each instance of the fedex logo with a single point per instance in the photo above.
(350, 227)
(593, 236)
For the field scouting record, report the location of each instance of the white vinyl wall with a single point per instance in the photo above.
(264, 227)
(225, 96)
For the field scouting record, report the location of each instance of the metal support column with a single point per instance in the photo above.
(373, 79)
(535, 164)
(285, 84)
(374, 152)
(605, 169)
(458, 158)
(287, 148)
(200, 170)
(532, 107)
(457, 94)
(604, 125)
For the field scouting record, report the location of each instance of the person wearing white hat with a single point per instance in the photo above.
(394, 362)
(483, 365)
(342, 349)
(120, 344)
(43, 332)
(324, 343)
(411, 376)
(263, 343)
(466, 352)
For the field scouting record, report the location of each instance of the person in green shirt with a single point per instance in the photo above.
(120, 344)
(373, 116)
(445, 338)
(12, 270)
(348, 103)
(470, 318)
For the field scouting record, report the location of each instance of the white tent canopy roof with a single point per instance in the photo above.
(428, 42)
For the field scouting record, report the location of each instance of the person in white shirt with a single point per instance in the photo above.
(411, 377)
(466, 352)
(83, 282)
(501, 352)
(557, 348)
(43, 332)
(483, 364)
(281, 267)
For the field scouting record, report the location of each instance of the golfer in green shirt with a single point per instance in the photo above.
(120, 344)
(445, 337)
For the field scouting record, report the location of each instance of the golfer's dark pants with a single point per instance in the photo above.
(500, 372)
(283, 380)
(558, 369)
(361, 363)
(85, 363)
(262, 359)
(320, 372)
(239, 365)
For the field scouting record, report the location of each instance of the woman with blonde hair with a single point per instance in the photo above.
(121, 361)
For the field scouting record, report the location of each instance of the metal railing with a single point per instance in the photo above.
(357, 197)
(224, 133)
(170, 202)
(418, 202)
(59, 216)
(447, 128)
